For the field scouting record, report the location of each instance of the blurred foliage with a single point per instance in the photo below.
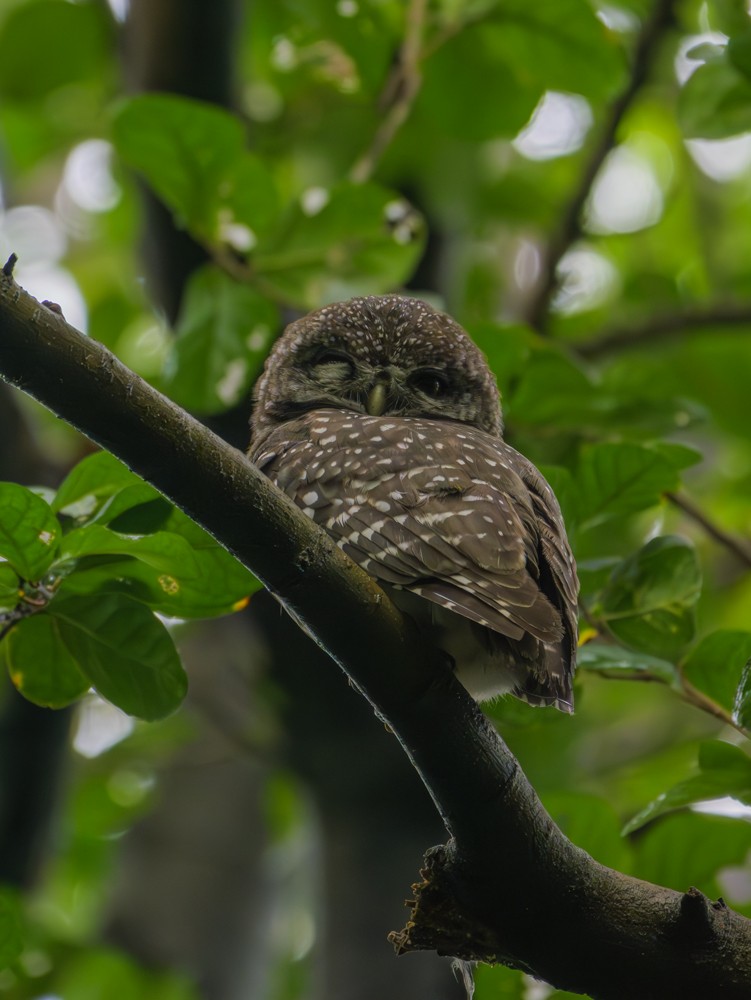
(467, 194)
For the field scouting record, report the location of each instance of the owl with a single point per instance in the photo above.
(381, 419)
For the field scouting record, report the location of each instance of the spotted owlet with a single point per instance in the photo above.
(381, 419)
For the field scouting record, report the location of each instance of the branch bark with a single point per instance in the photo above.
(509, 886)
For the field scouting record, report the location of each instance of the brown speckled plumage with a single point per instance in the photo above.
(381, 419)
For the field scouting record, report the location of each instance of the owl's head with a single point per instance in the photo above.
(380, 355)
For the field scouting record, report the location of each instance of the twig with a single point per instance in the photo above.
(399, 93)
(740, 547)
(670, 326)
(570, 226)
(693, 696)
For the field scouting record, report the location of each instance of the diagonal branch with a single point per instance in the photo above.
(740, 547)
(509, 886)
(399, 93)
(667, 327)
(570, 225)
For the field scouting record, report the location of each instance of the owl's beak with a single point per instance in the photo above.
(375, 402)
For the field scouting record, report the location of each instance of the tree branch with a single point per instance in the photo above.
(399, 93)
(570, 225)
(740, 547)
(509, 886)
(669, 326)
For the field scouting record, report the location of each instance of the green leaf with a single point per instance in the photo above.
(729, 16)
(193, 156)
(162, 550)
(719, 668)
(618, 662)
(468, 66)
(590, 823)
(96, 476)
(47, 45)
(725, 770)
(217, 583)
(499, 983)
(40, 665)
(9, 584)
(135, 510)
(520, 51)
(715, 101)
(623, 478)
(680, 456)
(220, 586)
(223, 336)
(739, 50)
(689, 848)
(552, 391)
(124, 651)
(649, 601)
(363, 240)
(11, 923)
(507, 348)
(29, 531)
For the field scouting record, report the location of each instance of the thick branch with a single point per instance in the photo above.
(514, 888)
(569, 228)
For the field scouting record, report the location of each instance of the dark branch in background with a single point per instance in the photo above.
(570, 225)
(509, 886)
(669, 326)
(399, 93)
(182, 47)
(739, 547)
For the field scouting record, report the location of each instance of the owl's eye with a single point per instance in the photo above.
(331, 356)
(331, 363)
(431, 382)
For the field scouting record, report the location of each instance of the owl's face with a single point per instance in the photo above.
(378, 355)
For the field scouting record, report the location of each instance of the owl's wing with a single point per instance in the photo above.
(435, 508)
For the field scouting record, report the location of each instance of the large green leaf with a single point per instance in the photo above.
(724, 770)
(193, 156)
(719, 667)
(124, 651)
(649, 601)
(29, 531)
(162, 550)
(354, 239)
(622, 478)
(40, 664)
(223, 335)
